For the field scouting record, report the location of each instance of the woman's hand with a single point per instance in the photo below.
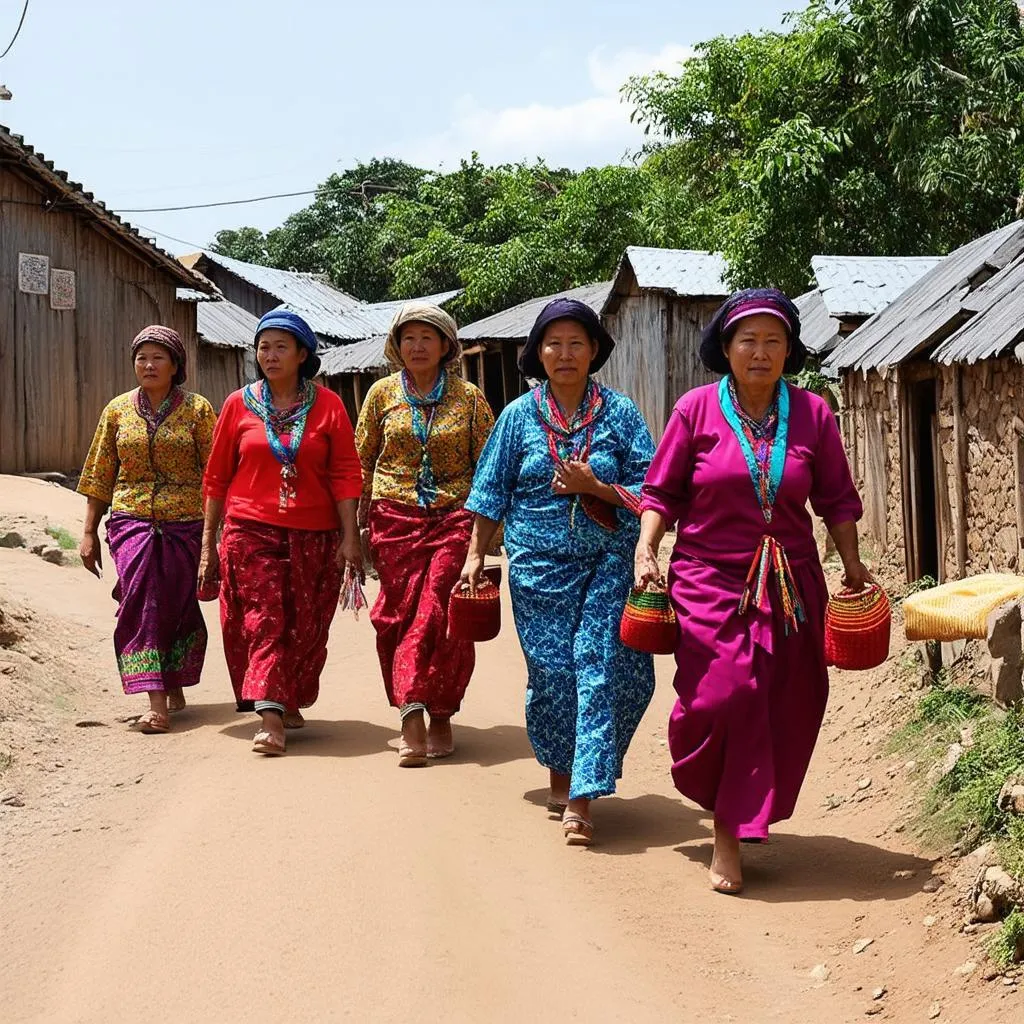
(209, 563)
(645, 566)
(574, 478)
(350, 551)
(472, 571)
(90, 551)
(857, 576)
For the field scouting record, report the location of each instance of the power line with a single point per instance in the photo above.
(173, 238)
(227, 202)
(17, 31)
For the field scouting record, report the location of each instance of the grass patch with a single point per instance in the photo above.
(1006, 947)
(66, 541)
(961, 809)
(6, 760)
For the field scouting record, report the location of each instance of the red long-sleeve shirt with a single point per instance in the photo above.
(244, 472)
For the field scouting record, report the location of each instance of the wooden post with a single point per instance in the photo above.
(960, 473)
(1018, 480)
(357, 391)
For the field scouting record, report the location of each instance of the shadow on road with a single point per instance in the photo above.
(810, 869)
(497, 744)
(201, 716)
(625, 827)
(324, 739)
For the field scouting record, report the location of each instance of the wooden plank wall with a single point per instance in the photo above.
(59, 368)
(221, 371)
(688, 318)
(639, 365)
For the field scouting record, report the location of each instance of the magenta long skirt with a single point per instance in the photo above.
(751, 698)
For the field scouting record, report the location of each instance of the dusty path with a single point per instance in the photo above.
(182, 878)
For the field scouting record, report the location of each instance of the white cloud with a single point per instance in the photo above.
(593, 130)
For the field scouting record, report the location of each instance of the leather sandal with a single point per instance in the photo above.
(578, 831)
(264, 743)
(411, 757)
(293, 720)
(153, 723)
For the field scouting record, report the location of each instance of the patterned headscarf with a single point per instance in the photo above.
(739, 306)
(424, 313)
(286, 320)
(156, 334)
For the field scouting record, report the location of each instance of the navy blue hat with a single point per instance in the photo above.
(565, 309)
(286, 320)
(750, 302)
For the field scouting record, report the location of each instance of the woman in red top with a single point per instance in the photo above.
(285, 475)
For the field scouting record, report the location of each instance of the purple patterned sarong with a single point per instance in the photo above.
(160, 637)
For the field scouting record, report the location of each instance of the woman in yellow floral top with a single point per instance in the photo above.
(146, 465)
(419, 436)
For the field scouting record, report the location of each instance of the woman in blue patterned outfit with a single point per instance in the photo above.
(563, 470)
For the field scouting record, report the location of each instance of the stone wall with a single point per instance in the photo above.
(992, 391)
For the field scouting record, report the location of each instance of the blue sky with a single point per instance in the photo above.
(159, 104)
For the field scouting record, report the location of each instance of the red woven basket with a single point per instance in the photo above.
(649, 622)
(208, 591)
(857, 628)
(475, 619)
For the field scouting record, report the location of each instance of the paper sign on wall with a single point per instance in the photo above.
(33, 273)
(62, 289)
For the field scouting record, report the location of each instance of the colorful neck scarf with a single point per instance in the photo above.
(764, 445)
(289, 422)
(154, 419)
(423, 409)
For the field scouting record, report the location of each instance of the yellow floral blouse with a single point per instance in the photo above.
(161, 481)
(390, 452)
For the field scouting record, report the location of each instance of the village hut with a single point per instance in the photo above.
(80, 283)
(491, 346)
(932, 387)
(351, 369)
(659, 303)
(227, 360)
(850, 289)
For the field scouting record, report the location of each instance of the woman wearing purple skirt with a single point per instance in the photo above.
(735, 470)
(146, 465)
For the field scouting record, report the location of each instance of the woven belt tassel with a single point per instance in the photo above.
(771, 555)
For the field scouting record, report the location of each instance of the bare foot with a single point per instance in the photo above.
(558, 797)
(440, 742)
(175, 699)
(293, 720)
(726, 865)
(412, 751)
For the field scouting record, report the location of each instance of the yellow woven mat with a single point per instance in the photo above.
(959, 610)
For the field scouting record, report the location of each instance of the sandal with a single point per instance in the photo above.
(152, 723)
(556, 806)
(264, 743)
(410, 757)
(293, 720)
(439, 754)
(176, 703)
(578, 831)
(724, 885)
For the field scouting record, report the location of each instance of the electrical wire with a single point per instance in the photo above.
(230, 202)
(17, 31)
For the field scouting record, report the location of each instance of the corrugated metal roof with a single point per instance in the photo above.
(359, 357)
(930, 310)
(17, 152)
(331, 312)
(225, 325)
(684, 272)
(514, 324)
(998, 323)
(192, 295)
(818, 331)
(859, 286)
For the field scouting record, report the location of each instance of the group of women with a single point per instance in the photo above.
(266, 503)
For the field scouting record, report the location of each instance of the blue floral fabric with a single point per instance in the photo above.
(569, 579)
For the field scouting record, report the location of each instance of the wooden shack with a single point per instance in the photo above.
(491, 346)
(659, 303)
(932, 388)
(79, 284)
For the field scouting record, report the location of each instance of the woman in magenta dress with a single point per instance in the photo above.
(735, 470)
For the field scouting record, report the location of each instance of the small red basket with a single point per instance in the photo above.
(857, 628)
(475, 619)
(649, 622)
(209, 591)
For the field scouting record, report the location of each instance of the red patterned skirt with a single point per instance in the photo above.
(419, 554)
(279, 592)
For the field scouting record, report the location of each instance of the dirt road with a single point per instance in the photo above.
(183, 878)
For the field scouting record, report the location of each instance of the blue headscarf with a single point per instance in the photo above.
(565, 309)
(286, 320)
